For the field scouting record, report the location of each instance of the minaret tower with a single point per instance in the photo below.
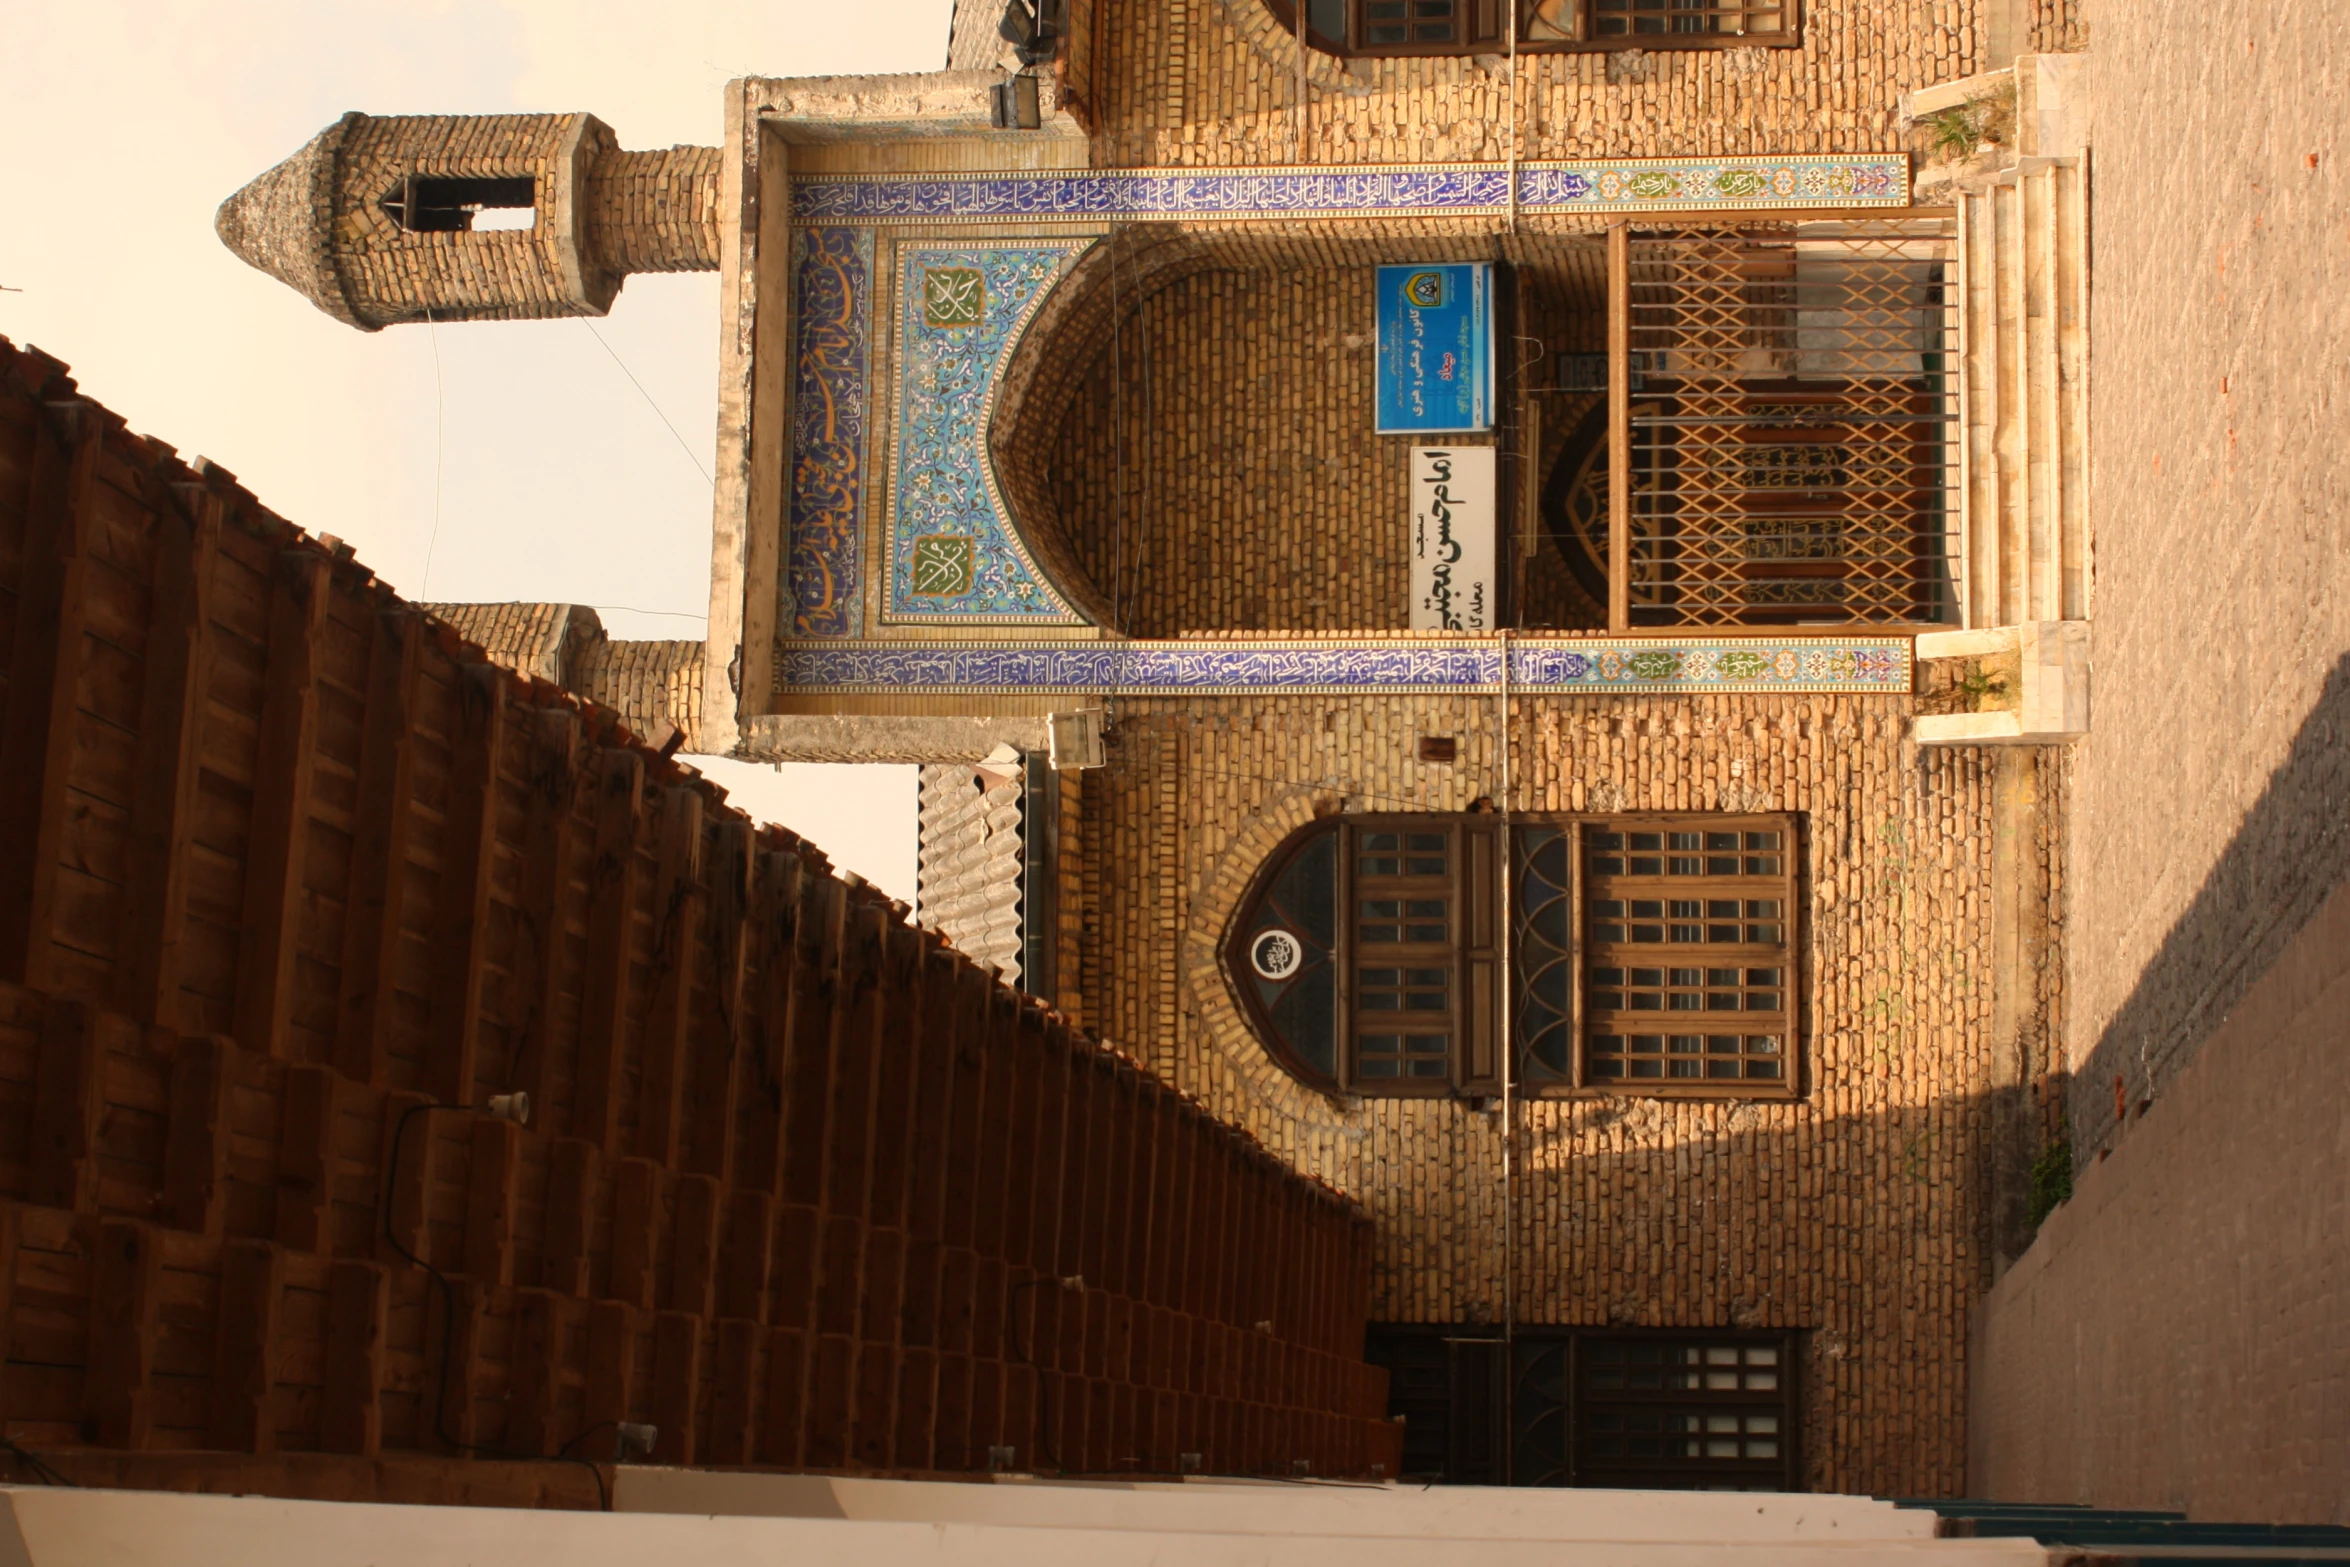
(492, 217)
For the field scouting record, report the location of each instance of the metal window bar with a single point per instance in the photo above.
(1662, 19)
(1793, 426)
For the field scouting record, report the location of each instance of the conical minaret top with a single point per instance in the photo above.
(383, 219)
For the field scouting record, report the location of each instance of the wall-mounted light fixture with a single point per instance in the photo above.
(1015, 106)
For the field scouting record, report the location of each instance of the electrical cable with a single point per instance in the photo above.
(439, 412)
(649, 403)
(37, 1464)
(440, 1416)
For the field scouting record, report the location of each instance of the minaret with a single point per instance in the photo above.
(490, 217)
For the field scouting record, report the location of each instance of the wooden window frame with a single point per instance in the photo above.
(1496, 40)
(1471, 953)
(1476, 949)
(1782, 886)
(1480, 1413)
(1784, 1402)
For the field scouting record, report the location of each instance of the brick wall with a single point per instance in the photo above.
(638, 212)
(504, 275)
(290, 880)
(2210, 786)
(1214, 82)
(1860, 1213)
(655, 211)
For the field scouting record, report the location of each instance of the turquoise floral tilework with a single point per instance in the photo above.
(955, 557)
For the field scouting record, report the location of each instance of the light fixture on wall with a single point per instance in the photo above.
(1034, 29)
(1015, 106)
(1075, 738)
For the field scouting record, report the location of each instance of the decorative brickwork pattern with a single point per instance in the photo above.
(1856, 1214)
(1217, 469)
(970, 864)
(291, 884)
(655, 211)
(1213, 83)
(1186, 432)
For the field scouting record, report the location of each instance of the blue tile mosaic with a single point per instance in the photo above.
(1547, 666)
(1396, 190)
(955, 557)
(833, 274)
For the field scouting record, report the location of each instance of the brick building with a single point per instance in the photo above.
(1056, 455)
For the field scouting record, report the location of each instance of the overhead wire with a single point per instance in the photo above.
(649, 403)
(440, 402)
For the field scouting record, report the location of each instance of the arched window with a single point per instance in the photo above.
(1429, 27)
(1646, 954)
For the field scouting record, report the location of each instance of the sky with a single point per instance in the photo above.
(562, 461)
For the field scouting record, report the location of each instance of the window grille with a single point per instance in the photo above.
(1668, 1409)
(1647, 955)
(1689, 971)
(1438, 27)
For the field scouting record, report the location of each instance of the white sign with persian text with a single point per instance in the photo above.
(1453, 586)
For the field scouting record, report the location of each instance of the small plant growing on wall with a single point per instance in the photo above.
(1965, 129)
(2052, 1175)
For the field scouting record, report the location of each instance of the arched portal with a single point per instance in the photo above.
(1187, 431)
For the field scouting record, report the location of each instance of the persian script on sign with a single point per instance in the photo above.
(1452, 539)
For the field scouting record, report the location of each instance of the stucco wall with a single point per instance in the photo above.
(2179, 1337)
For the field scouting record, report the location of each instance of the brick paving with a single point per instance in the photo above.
(2180, 1335)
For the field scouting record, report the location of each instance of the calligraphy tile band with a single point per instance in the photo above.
(1370, 190)
(1419, 666)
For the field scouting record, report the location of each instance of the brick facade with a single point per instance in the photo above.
(298, 896)
(1214, 82)
(1862, 1212)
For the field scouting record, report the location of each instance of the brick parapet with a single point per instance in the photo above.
(293, 882)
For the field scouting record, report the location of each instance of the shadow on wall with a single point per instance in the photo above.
(1868, 1236)
(2292, 850)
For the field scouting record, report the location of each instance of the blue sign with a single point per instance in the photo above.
(1436, 348)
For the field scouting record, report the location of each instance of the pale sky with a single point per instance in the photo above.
(125, 123)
